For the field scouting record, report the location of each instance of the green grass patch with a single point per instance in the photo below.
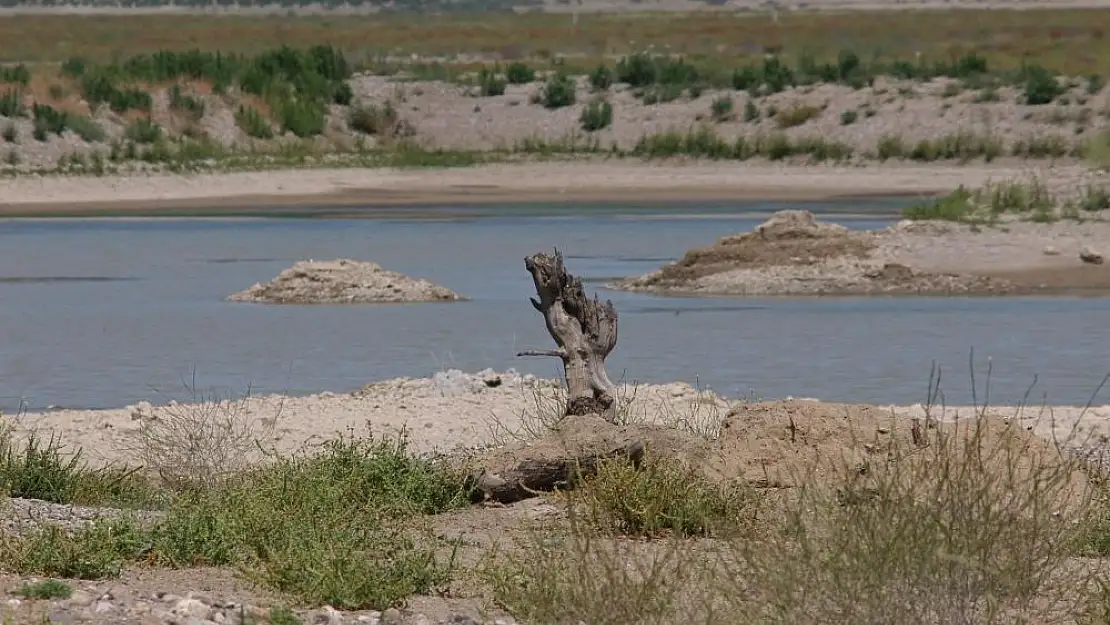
(45, 590)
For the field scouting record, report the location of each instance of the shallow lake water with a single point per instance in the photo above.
(103, 313)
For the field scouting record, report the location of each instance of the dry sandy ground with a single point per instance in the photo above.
(578, 181)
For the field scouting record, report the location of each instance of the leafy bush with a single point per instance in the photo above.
(558, 91)
(11, 104)
(519, 73)
(721, 109)
(302, 118)
(1040, 85)
(50, 120)
(601, 78)
(849, 117)
(489, 83)
(74, 67)
(373, 120)
(143, 131)
(18, 74)
(596, 115)
(99, 87)
(252, 122)
(662, 498)
(194, 107)
(326, 528)
(38, 469)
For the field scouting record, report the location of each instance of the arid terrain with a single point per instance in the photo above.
(494, 497)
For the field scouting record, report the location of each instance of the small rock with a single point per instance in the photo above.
(391, 616)
(80, 597)
(191, 607)
(1050, 250)
(1090, 256)
(103, 606)
(328, 616)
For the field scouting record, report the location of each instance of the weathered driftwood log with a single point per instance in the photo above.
(585, 331)
(545, 468)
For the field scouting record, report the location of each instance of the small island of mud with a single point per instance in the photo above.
(794, 254)
(344, 281)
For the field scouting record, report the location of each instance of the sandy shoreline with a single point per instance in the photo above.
(457, 411)
(503, 183)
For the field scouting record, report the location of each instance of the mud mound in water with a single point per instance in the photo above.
(344, 281)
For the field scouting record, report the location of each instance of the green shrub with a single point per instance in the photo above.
(656, 94)
(11, 104)
(100, 87)
(519, 73)
(38, 469)
(601, 78)
(596, 115)
(10, 134)
(848, 118)
(751, 112)
(143, 131)
(721, 109)
(50, 120)
(18, 74)
(662, 498)
(74, 67)
(45, 590)
(1040, 85)
(373, 120)
(194, 107)
(302, 118)
(558, 91)
(325, 528)
(489, 83)
(253, 123)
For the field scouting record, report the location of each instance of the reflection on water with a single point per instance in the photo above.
(123, 310)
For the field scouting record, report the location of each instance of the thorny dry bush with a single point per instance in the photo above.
(203, 441)
(968, 522)
(700, 416)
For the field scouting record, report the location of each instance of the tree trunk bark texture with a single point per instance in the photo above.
(585, 331)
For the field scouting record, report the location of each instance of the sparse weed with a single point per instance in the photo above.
(45, 590)
(201, 442)
(373, 120)
(721, 109)
(796, 116)
(597, 115)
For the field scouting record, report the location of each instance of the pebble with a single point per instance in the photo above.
(165, 608)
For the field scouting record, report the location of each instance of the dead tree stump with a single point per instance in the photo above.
(585, 331)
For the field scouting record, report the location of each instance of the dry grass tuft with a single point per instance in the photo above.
(203, 441)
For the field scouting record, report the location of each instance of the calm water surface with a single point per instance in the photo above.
(103, 313)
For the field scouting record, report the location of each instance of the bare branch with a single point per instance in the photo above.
(554, 353)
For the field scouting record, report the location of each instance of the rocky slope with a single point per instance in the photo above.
(941, 119)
